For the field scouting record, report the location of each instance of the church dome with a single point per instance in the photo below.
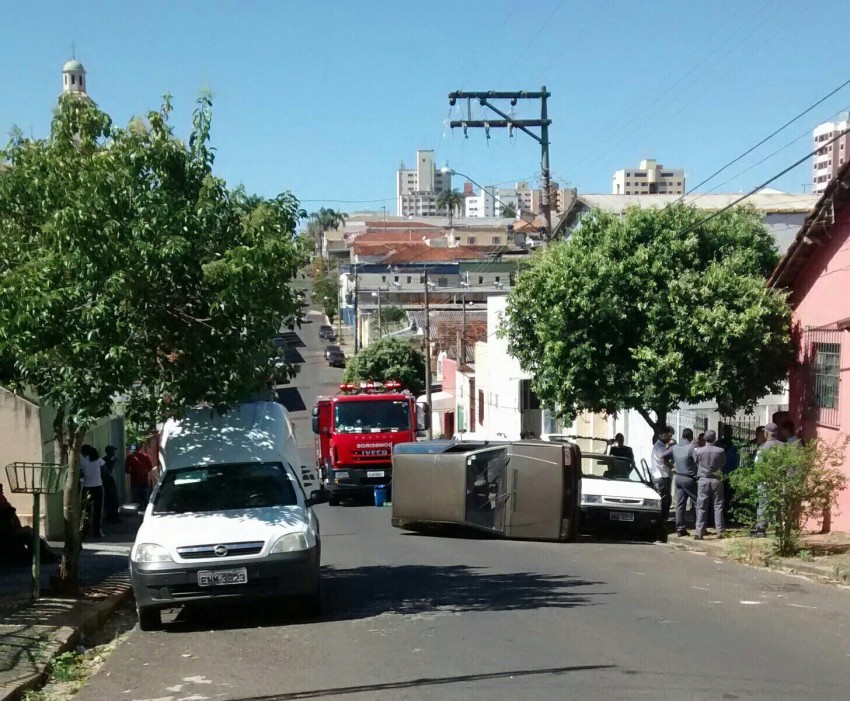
(72, 65)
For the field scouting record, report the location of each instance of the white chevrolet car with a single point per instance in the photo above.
(616, 492)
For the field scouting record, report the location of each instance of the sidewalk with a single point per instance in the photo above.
(823, 556)
(32, 633)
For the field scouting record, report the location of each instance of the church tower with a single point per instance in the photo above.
(74, 78)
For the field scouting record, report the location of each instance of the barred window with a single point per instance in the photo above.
(826, 362)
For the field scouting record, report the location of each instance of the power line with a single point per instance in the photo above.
(764, 184)
(326, 199)
(768, 138)
(757, 163)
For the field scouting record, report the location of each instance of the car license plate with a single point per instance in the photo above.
(375, 473)
(622, 516)
(218, 578)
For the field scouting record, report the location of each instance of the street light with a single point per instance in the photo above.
(445, 170)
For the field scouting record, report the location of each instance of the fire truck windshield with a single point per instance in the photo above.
(359, 417)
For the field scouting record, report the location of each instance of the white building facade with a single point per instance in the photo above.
(830, 156)
(650, 179)
(417, 189)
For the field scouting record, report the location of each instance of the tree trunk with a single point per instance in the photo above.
(67, 581)
(658, 425)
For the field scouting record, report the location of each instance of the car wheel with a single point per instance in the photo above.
(333, 499)
(149, 618)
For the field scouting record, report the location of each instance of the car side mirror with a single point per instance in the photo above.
(318, 496)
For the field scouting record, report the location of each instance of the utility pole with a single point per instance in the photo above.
(428, 353)
(508, 122)
(380, 316)
(462, 355)
(356, 310)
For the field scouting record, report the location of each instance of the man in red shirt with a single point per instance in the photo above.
(138, 465)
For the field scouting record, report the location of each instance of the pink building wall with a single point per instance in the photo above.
(821, 298)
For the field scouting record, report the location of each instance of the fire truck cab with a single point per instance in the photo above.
(356, 431)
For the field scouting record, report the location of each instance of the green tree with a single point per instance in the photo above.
(650, 309)
(323, 221)
(509, 211)
(388, 359)
(451, 201)
(326, 292)
(129, 269)
(797, 483)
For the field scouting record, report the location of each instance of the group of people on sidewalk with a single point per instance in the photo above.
(100, 491)
(701, 467)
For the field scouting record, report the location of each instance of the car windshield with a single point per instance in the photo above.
(358, 417)
(224, 487)
(610, 467)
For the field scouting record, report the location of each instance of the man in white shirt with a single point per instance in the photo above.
(90, 465)
(659, 468)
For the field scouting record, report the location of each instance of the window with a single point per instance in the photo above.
(409, 279)
(480, 279)
(73, 80)
(396, 278)
(471, 240)
(442, 282)
(224, 487)
(498, 278)
(826, 358)
(497, 239)
(383, 278)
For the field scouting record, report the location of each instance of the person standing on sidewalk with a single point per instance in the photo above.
(90, 468)
(660, 470)
(686, 478)
(709, 460)
(771, 433)
(110, 489)
(138, 465)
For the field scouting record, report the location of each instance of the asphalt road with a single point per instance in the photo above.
(419, 617)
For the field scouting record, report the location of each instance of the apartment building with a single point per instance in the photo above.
(650, 179)
(830, 156)
(417, 189)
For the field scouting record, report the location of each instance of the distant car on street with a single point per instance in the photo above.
(326, 331)
(336, 359)
(332, 348)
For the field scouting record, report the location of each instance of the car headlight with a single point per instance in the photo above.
(151, 552)
(341, 474)
(652, 503)
(590, 498)
(293, 542)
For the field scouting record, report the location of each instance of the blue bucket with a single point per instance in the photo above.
(380, 492)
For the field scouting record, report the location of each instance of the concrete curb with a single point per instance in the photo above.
(828, 573)
(85, 617)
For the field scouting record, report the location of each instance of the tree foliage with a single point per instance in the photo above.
(326, 292)
(650, 309)
(796, 483)
(129, 269)
(451, 201)
(388, 359)
(509, 211)
(323, 221)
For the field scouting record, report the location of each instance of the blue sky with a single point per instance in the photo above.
(327, 98)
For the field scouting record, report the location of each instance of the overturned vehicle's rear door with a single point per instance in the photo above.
(524, 489)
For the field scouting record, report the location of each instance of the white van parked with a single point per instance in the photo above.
(231, 517)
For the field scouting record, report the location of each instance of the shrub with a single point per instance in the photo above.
(797, 482)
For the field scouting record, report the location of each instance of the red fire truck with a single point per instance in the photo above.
(356, 431)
